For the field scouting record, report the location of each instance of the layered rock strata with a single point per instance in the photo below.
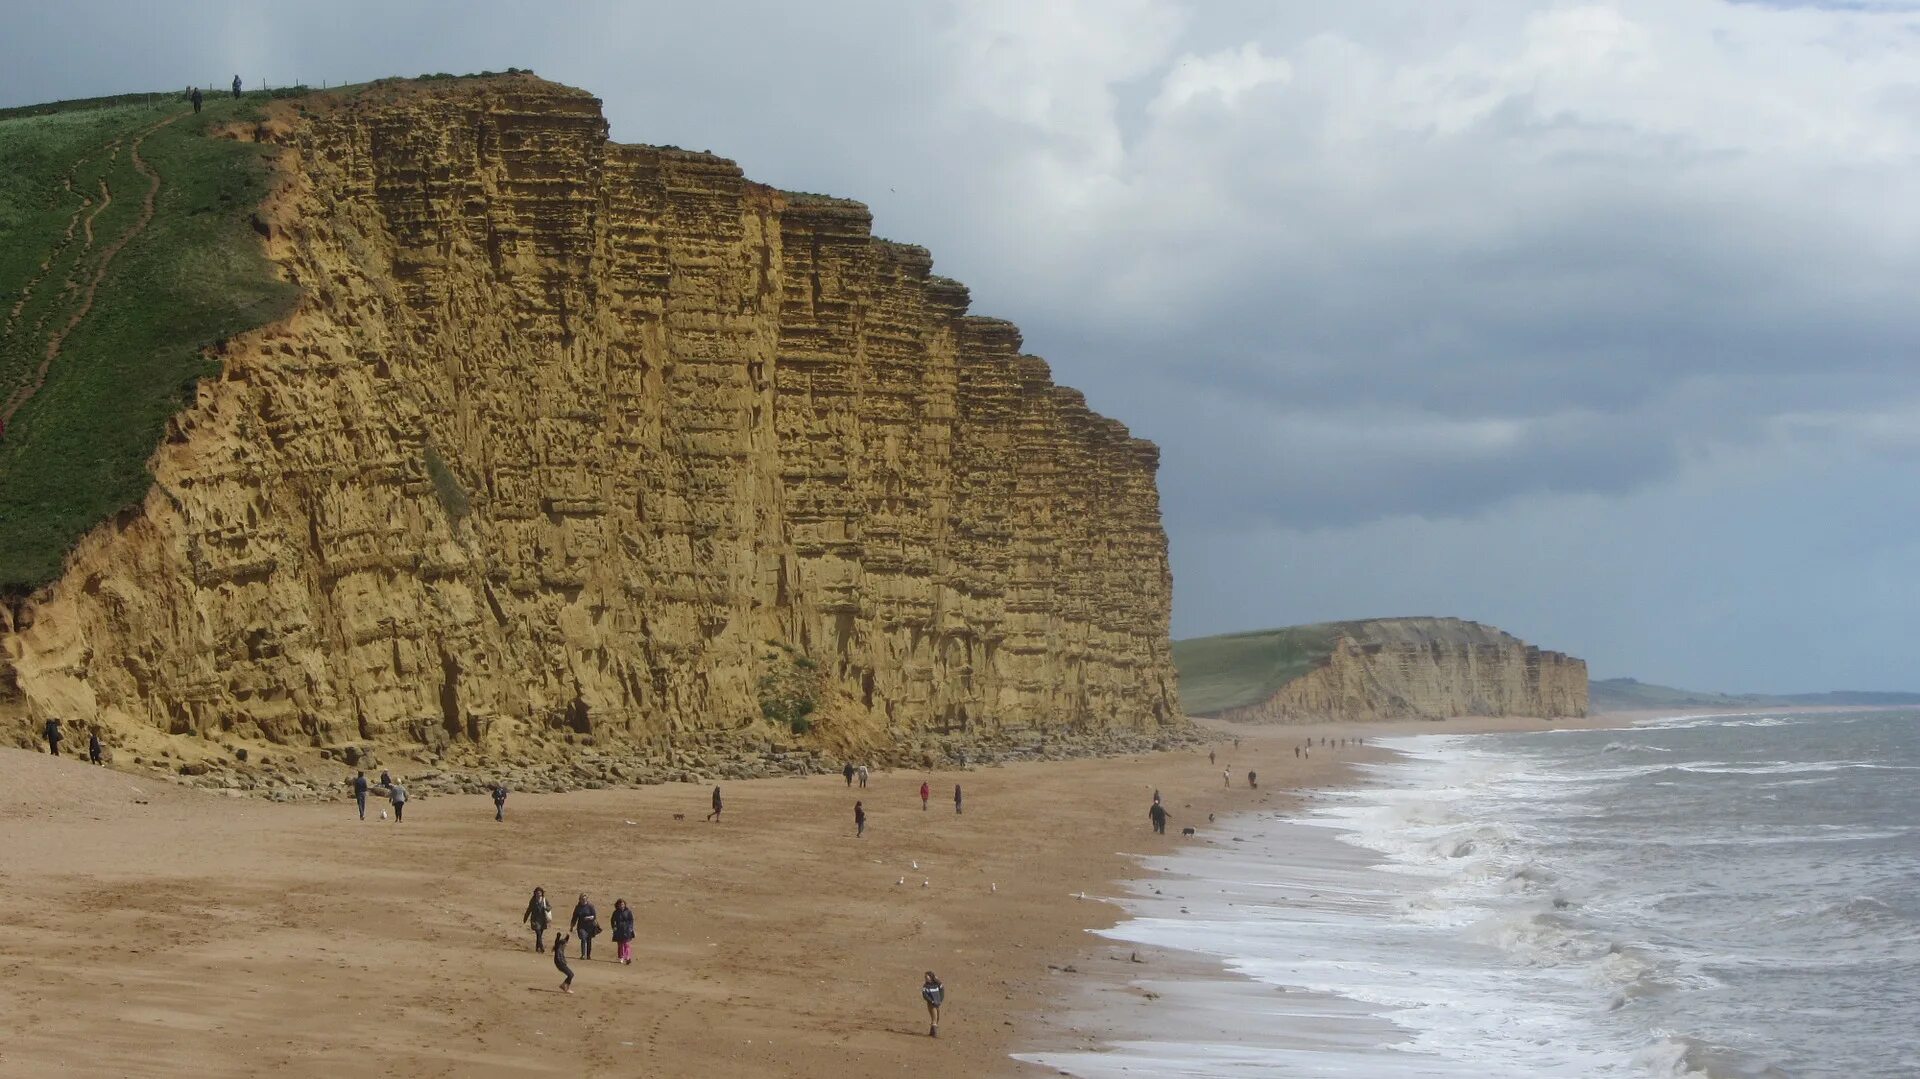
(585, 440)
(1399, 668)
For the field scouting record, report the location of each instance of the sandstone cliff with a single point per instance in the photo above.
(1389, 668)
(585, 442)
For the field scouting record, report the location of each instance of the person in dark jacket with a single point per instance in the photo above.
(96, 749)
(859, 820)
(715, 815)
(586, 924)
(236, 87)
(848, 772)
(1253, 780)
(539, 915)
(1158, 815)
(560, 962)
(196, 99)
(499, 801)
(956, 798)
(53, 736)
(623, 930)
(360, 792)
(935, 995)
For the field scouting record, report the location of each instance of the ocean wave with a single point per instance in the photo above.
(1678, 1057)
(1730, 768)
(1633, 747)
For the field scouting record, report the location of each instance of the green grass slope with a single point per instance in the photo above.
(1217, 673)
(1633, 695)
(126, 248)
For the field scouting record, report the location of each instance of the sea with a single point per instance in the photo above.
(1720, 896)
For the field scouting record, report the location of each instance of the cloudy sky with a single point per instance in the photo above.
(1595, 321)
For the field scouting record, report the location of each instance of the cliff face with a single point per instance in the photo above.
(570, 436)
(1424, 667)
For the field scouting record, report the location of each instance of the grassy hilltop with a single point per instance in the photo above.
(1234, 669)
(126, 249)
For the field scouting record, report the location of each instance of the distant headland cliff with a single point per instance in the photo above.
(1385, 668)
(570, 443)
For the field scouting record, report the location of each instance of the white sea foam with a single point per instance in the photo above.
(1573, 911)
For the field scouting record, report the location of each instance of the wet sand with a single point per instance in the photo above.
(156, 930)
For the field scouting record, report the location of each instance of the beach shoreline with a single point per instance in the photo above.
(165, 930)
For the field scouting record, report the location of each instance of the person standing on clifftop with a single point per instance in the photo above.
(848, 772)
(196, 99)
(926, 793)
(53, 736)
(715, 815)
(859, 820)
(397, 794)
(1158, 815)
(359, 782)
(539, 915)
(236, 87)
(499, 801)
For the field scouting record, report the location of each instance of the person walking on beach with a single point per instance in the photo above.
(935, 995)
(500, 801)
(1210, 759)
(926, 792)
(715, 815)
(1253, 780)
(956, 799)
(863, 773)
(560, 962)
(359, 782)
(848, 772)
(859, 820)
(1158, 815)
(1226, 777)
(539, 915)
(1296, 752)
(53, 735)
(623, 930)
(397, 794)
(586, 924)
(96, 750)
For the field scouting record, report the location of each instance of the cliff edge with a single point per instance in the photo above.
(577, 443)
(1387, 668)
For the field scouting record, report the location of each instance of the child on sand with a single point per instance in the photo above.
(934, 994)
(623, 929)
(560, 962)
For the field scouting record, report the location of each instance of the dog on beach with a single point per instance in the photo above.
(1188, 831)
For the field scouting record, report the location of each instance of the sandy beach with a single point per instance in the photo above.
(158, 930)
